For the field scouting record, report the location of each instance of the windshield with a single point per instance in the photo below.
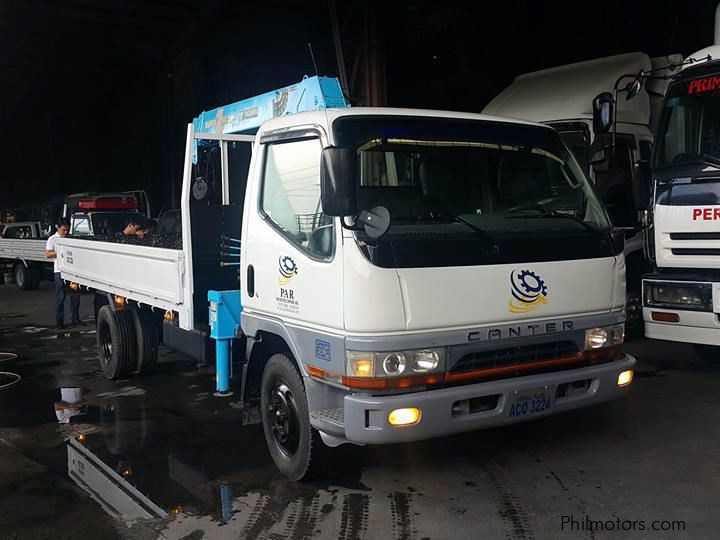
(690, 126)
(472, 192)
(501, 178)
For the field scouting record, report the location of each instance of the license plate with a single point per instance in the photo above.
(526, 403)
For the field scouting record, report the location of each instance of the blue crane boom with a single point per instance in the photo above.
(246, 116)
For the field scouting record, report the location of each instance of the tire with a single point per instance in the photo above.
(116, 342)
(23, 277)
(295, 447)
(147, 336)
(709, 354)
(634, 324)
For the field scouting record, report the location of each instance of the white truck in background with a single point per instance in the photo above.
(22, 244)
(387, 275)
(22, 253)
(563, 97)
(682, 297)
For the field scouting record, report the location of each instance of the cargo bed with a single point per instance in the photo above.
(149, 275)
(26, 250)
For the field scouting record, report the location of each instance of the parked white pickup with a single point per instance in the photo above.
(22, 249)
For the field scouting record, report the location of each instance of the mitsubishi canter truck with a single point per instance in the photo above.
(383, 275)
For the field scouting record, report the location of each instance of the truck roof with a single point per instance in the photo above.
(326, 117)
(566, 92)
(701, 56)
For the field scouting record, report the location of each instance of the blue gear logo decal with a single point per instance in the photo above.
(288, 270)
(528, 291)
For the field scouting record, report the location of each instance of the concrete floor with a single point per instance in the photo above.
(187, 460)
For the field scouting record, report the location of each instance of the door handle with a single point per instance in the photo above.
(250, 280)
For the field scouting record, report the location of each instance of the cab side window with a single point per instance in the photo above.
(291, 195)
(81, 226)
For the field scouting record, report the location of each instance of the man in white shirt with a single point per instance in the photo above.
(63, 227)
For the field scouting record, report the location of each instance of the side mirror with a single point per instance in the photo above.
(338, 181)
(641, 188)
(376, 221)
(603, 107)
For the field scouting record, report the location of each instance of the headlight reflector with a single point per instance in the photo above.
(595, 338)
(395, 363)
(689, 296)
(426, 360)
(604, 336)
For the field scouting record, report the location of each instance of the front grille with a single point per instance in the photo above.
(696, 251)
(695, 236)
(524, 354)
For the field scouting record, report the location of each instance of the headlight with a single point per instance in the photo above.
(605, 336)
(395, 363)
(689, 296)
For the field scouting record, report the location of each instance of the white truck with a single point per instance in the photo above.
(22, 244)
(22, 252)
(563, 97)
(403, 274)
(682, 297)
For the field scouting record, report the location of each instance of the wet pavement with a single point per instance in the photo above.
(159, 456)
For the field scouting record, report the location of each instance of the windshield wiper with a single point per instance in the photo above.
(481, 232)
(457, 219)
(553, 214)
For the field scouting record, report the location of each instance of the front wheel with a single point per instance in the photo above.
(294, 445)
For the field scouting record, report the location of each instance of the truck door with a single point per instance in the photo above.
(291, 250)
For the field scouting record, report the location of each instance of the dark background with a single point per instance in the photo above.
(95, 95)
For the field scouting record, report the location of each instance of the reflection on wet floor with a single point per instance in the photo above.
(161, 447)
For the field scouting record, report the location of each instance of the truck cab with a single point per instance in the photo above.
(463, 308)
(21, 230)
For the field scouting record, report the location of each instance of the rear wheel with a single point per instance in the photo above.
(116, 342)
(294, 445)
(147, 336)
(23, 277)
(707, 353)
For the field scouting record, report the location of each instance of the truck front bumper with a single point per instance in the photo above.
(447, 411)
